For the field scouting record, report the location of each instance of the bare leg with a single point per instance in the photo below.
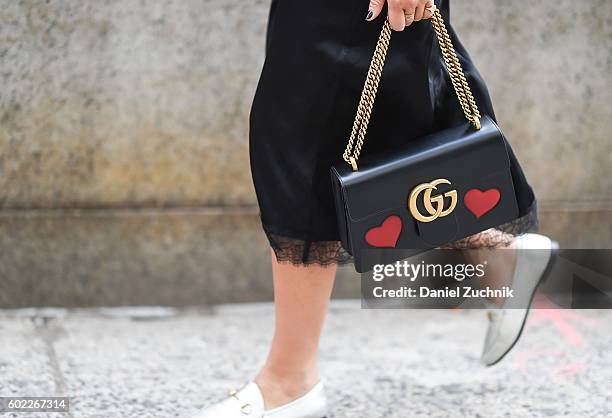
(301, 296)
(498, 251)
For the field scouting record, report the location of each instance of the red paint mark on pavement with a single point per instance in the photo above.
(559, 319)
(562, 319)
(569, 323)
(570, 370)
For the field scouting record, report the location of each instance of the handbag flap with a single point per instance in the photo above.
(472, 154)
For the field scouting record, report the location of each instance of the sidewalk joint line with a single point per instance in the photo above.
(48, 336)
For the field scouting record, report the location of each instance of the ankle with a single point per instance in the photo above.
(279, 388)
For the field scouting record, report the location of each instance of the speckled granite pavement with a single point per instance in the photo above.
(156, 362)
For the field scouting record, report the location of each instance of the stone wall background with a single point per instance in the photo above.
(124, 171)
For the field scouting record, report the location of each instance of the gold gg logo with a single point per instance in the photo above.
(429, 201)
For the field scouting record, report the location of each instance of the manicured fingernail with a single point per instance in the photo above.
(369, 16)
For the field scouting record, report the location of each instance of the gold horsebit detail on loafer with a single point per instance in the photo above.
(245, 408)
(492, 315)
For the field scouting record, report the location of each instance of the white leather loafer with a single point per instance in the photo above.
(248, 402)
(534, 260)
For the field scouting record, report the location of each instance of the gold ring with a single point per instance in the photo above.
(408, 18)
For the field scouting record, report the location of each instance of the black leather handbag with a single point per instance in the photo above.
(430, 192)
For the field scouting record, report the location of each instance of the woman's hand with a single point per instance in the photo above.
(402, 12)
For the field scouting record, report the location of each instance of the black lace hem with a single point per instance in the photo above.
(306, 252)
(500, 236)
(325, 253)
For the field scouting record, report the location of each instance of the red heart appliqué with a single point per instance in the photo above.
(387, 234)
(479, 202)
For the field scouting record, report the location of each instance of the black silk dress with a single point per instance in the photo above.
(317, 57)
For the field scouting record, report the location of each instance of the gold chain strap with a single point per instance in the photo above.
(368, 95)
(460, 84)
